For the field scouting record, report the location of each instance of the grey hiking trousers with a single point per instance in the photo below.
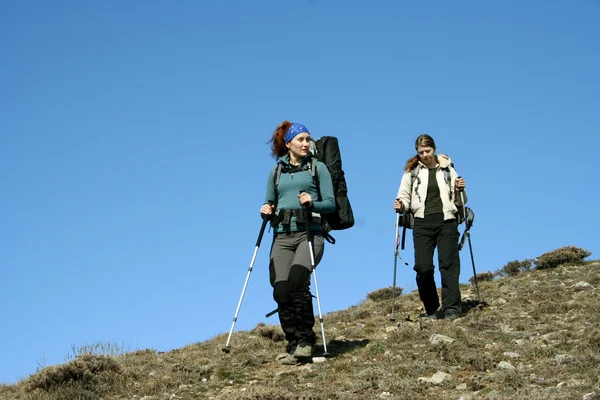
(292, 249)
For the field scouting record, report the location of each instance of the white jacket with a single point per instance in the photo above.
(413, 194)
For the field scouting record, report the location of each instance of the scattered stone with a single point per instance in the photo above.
(590, 396)
(511, 354)
(575, 383)
(506, 365)
(582, 286)
(437, 378)
(462, 386)
(505, 290)
(385, 394)
(437, 339)
(230, 382)
(204, 379)
(563, 359)
(520, 342)
(319, 360)
(499, 301)
(306, 367)
(390, 329)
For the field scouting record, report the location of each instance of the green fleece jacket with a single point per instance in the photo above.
(292, 183)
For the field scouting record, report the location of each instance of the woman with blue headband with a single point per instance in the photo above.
(290, 264)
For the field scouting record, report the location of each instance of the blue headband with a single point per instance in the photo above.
(294, 130)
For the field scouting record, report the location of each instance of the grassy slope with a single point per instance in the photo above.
(542, 315)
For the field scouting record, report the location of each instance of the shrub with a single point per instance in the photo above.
(560, 256)
(482, 277)
(88, 372)
(515, 267)
(272, 332)
(384, 293)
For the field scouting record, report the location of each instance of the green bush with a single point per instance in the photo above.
(384, 293)
(482, 277)
(515, 267)
(560, 256)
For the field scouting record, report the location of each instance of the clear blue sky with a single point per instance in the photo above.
(133, 157)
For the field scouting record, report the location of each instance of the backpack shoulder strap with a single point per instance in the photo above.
(414, 176)
(277, 174)
(315, 176)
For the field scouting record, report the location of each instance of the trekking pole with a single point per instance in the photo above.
(307, 214)
(266, 219)
(396, 257)
(468, 234)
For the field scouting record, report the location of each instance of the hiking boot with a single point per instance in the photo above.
(304, 351)
(451, 315)
(429, 316)
(290, 348)
(286, 359)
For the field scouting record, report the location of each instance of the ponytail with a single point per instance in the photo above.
(278, 147)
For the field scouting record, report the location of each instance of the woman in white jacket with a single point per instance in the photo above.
(430, 189)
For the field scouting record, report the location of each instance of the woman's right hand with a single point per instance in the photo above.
(266, 209)
(398, 205)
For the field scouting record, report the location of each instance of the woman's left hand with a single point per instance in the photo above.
(460, 183)
(305, 199)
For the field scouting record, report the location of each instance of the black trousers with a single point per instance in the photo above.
(428, 233)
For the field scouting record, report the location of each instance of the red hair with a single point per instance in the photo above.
(278, 147)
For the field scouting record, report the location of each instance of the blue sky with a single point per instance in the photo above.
(133, 157)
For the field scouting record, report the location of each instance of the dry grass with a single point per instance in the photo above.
(545, 323)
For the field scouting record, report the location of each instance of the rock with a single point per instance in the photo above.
(520, 342)
(505, 290)
(437, 378)
(462, 386)
(506, 365)
(581, 286)
(499, 301)
(511, 354)
(575, 383)
(563, 359)
(390, 329)
(319, 360)
(437, 339)
(385, 395)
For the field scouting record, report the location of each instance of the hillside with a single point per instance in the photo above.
(535, 335)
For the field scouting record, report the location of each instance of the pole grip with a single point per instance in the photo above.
(266, 219)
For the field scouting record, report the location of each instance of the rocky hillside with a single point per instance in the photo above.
(535, 334)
